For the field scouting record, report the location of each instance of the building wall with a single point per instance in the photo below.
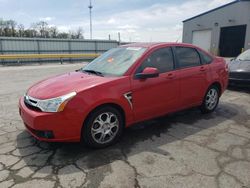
(238, 12)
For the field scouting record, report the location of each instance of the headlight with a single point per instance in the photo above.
(56, 104)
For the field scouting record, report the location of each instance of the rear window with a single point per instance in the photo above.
(187, 57)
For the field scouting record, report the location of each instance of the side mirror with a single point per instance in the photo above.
(148, 72)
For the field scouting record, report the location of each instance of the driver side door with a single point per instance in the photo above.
(157, 96)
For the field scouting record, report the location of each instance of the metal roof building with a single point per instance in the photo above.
(224, 31)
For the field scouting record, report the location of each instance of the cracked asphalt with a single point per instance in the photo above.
(181, 150)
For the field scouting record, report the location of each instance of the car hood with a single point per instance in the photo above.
(239, 66)
(63, 84)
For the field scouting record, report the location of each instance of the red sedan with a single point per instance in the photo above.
(125, 85)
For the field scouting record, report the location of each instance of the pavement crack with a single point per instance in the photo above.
(136, 185)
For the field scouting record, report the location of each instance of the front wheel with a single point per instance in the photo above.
(103, 127)
(210, 100)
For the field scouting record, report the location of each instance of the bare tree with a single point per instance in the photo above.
(53, 32)
(20, 30)
(32, 33)
(10, 28)
(42, 28)
(71, 34)
(79, 33)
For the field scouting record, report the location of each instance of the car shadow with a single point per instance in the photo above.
(144, 137)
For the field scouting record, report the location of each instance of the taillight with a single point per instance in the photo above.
(226, 67)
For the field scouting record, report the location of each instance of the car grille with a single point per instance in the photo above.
(239, 75)
(31, 103)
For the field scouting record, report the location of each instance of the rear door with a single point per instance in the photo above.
(156, 96)
(193, 75)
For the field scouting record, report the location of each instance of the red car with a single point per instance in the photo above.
(125, 85)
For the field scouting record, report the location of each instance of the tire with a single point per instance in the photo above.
(211, 100)
(103, 127)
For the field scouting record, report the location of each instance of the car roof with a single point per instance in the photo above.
(152, 45)
(156, 44)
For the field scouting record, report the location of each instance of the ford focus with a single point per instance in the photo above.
(124, 86)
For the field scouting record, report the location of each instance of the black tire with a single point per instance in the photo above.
(205, 108)
(91, 123)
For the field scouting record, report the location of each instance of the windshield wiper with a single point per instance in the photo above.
(93, 72)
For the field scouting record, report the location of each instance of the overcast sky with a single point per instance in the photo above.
(137, 20)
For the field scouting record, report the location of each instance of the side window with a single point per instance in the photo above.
(187, 57)
(206, 59)
(162, 59)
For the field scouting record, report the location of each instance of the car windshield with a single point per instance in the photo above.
(245, 56)
(115, 61)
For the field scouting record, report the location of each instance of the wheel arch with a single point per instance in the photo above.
(218, 85)
(110, 104)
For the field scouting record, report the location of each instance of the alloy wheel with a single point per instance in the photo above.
(212, 99)
(105, 127)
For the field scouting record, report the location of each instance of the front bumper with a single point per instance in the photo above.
(52, 127)
(239, 78)
(239, 82)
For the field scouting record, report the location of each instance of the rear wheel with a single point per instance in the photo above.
(210, 100)
(103, 127)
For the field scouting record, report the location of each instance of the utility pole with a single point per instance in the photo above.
(90, 17)
(119, 37)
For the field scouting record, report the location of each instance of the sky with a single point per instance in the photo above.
(136, 20)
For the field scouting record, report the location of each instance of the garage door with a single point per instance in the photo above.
(202, 39)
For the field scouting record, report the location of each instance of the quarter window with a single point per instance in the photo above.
(206, 59)
(187, 57)
(161, 59)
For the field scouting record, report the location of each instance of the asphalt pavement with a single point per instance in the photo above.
(182, 150)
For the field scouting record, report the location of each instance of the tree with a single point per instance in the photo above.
(7, 28)
(7, 31)
(10, 28)
(53, 32)
(79, 33)
(20, 30)
(42, 28)
(63, 35)
(12, 24)
(2, 25)
(31, 33)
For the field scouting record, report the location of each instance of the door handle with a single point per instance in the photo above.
(203, 69)
(170, 76)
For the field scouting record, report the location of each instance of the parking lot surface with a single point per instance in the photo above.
(186, 149)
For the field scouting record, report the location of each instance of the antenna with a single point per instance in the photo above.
(90, 17)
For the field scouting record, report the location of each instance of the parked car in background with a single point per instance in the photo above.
(125, 85)
(239, 70)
